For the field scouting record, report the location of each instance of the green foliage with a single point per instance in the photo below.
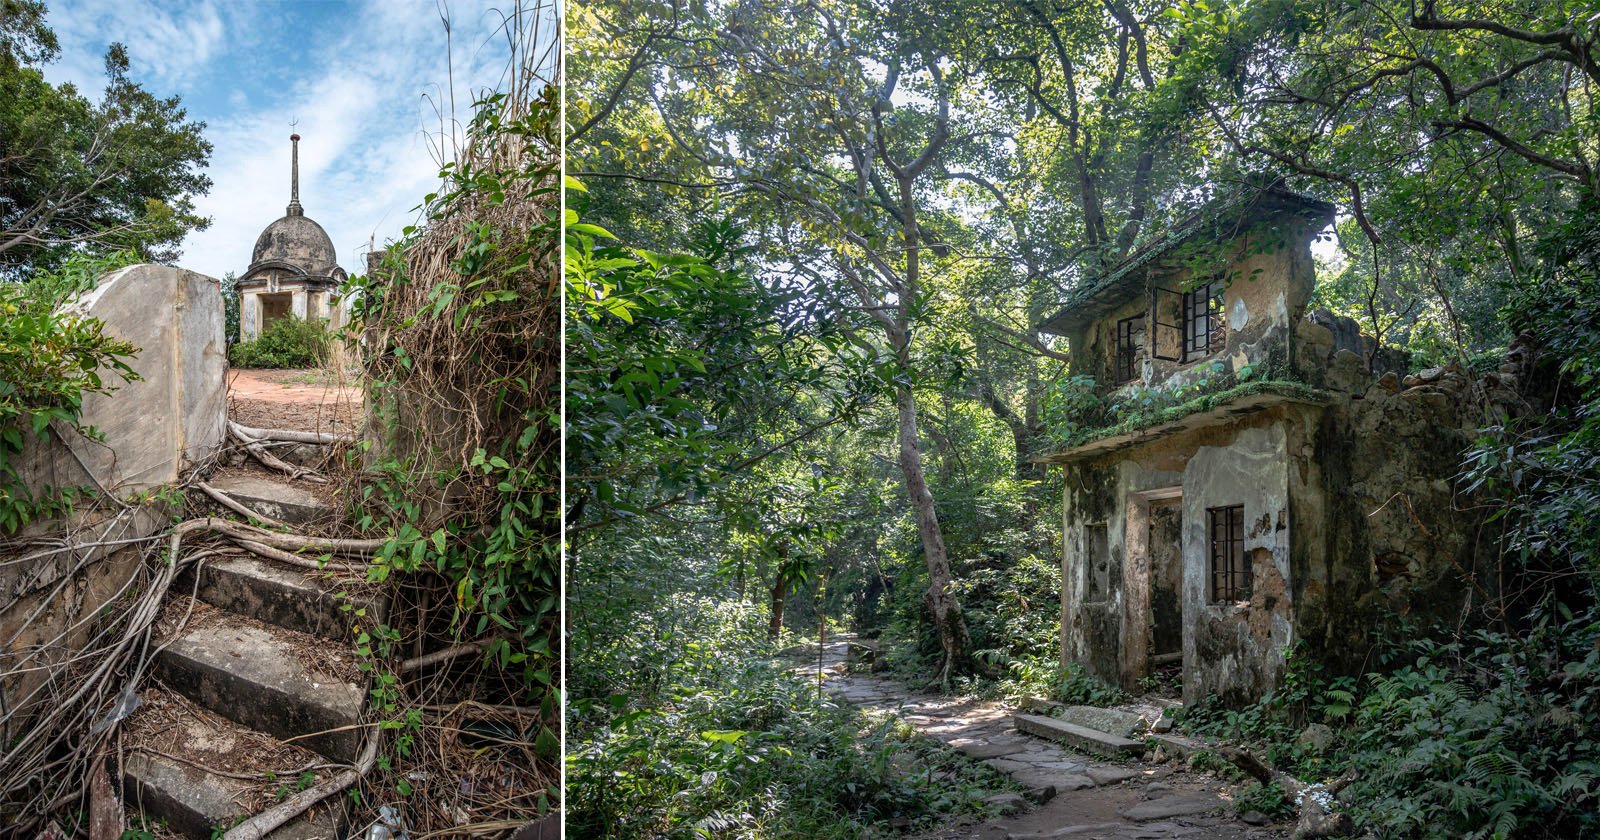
(1046, 677)
(685, 728)
(287, 342)
(1076, 413)
(230, 309)
(120, 173)
(75, 274)
(49, 361)
(1268, 799)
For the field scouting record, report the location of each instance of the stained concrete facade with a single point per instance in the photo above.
(1343, 471)
(294, 269)
(150, 431)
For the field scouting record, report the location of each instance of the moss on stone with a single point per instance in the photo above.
(1205, 402)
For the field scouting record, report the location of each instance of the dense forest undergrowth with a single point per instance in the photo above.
(809, 250)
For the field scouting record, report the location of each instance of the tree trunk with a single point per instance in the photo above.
(947, 617)
(780, 594)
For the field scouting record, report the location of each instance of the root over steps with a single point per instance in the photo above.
(253, 719)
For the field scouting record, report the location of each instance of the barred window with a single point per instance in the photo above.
(1204, 330)
(1230, 571)
(1129, 330)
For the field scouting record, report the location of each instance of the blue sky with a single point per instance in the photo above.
(369, 82)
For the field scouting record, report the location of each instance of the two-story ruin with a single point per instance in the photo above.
(1286, 486)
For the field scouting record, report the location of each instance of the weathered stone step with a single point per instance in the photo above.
(1111, 721)
(251, 673)
(278, 498)
(190, 771)
(287, 597)
(1080, 737)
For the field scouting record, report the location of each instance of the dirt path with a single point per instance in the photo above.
(1084, 796)
(302, 400)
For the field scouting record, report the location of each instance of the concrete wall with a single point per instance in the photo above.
(1268, 275)
(154, 429)
(1109, 578)
(176, 414)
(1234, 650)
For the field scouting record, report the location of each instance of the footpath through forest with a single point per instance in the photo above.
(1082, 796)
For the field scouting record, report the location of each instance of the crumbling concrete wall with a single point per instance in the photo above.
(1353, 512)
(65, 570)
(1394, 533)
(1109, 571)
(1234, 650)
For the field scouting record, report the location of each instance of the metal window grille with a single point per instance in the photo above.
(1204, 331)
(1230, 572)
(1128, 331)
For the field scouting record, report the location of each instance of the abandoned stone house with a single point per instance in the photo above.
(294, 269)
(1308, 498)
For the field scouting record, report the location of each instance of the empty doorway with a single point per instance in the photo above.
(1152, 628)
(275, 306)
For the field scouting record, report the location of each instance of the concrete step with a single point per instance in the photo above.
(1079, 737)
(280, 594)
(270, 679)
(1110, 721)
(278, 498)
(197, 772)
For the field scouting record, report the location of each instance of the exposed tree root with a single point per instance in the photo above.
(259, 452)
(287, 542)
(449, 653)
(234, 505)
(292, 559)
(263, 823)
(292, 436)
(1315, 801)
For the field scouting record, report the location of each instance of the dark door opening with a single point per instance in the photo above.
(1152, 640)
(1165, 674)
(275, 306)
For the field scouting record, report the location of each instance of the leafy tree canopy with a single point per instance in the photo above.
(120, 173)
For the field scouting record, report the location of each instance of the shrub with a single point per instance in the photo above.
(48, 361)
(287, 342)
(683, 727)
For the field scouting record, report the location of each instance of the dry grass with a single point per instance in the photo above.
(462, 357)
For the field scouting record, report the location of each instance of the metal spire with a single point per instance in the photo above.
(294, 178)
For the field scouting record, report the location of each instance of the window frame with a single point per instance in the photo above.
(1192, 315)
(1125, 359)
(1228, 569)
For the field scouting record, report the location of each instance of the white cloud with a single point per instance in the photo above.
(364, 92)
(168, 42)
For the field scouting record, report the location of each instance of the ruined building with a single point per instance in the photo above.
(1249, 474)
(293, 269)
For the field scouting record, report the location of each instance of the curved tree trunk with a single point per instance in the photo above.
(947, 617)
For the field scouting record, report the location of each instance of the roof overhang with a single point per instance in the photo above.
(1221, 413)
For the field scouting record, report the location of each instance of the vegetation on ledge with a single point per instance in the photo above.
(1076, 415)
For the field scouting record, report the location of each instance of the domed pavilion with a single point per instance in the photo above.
(293, 270)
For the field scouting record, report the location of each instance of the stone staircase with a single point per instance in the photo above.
(258, 691)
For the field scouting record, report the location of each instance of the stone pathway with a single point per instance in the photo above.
(1083, 796)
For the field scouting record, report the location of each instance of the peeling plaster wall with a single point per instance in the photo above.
(1267, 291)
(1352, 514)
(1235, 650)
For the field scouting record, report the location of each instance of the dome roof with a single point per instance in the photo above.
(299, 241)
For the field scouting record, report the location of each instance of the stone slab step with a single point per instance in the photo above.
(170, 771)
(1079, 737)
(196, 802)
(282, 595)
(250, 673)
(1113, 721)
(278, 498)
